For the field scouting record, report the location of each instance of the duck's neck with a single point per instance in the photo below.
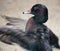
(37, 21)
(40, 19)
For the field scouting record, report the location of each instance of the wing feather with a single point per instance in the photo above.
(9, 34)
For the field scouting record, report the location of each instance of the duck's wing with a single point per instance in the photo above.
(17, 22)
(10, 35)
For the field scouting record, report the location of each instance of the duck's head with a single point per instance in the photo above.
(40, 11)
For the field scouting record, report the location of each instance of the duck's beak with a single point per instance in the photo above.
(27, 12)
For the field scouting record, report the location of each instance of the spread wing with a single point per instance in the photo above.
(10, 35)
(17, 22)
(13, 35)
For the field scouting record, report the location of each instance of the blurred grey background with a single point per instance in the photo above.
(14, 8)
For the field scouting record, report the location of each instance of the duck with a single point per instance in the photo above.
(33, 41)
(37, 21)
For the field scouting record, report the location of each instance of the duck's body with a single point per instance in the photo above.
(31, 26)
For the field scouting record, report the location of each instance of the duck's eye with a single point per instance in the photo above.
(35, 8)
